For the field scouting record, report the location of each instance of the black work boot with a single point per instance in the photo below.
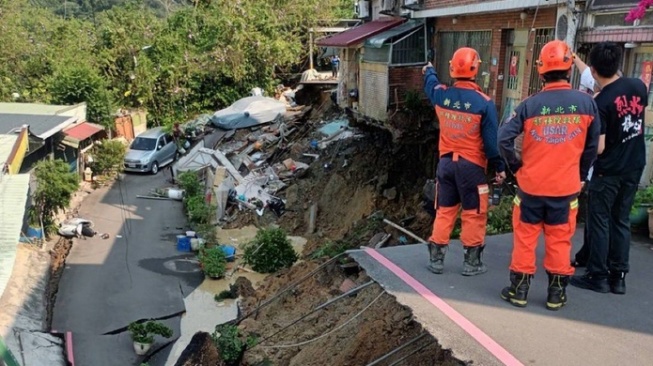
(473, 265)
(517, 292)
(436, 257)
(591, 282)
(557, 297)
(617, 281)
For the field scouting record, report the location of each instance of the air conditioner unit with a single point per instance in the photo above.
(411, 2)
(362, 9)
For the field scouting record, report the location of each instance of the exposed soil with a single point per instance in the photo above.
(59, 253)
(200, 352)
(355, 183)
(364, 337)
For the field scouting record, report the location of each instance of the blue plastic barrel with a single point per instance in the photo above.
(33, 232)
(183, 243)
(229, 252)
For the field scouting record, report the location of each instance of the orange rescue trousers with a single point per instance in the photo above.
(557, 218)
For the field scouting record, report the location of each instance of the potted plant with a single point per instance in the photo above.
(643, 202)
(143, 334)
(213, 261)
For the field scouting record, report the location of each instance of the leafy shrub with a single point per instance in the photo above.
(199, 212)
(499, 219)
(643, 197)
(270, 251)
(207, 232)
(55, 187)
(190, 183)
(213, 261)
(145, 332)
(108, 155)
(226, 294)
(231, 343)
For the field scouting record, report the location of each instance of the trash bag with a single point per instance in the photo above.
(77, 228)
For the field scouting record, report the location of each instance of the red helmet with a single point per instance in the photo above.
(464, 63)
(555, 56)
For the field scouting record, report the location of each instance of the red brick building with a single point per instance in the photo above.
(507, 34)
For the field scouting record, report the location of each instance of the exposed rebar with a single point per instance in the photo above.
(396, 350)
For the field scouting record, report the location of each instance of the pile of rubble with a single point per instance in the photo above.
(243, 168)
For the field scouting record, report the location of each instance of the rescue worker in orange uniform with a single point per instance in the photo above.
(468, 140)
(561, 137)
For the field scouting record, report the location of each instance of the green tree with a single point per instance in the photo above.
(73, 84)
(55, 187)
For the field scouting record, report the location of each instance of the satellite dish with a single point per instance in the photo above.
(562, 27)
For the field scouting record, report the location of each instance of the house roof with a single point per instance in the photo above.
(37, 108)
(14, 190)
(40, 125)
(359, 34)
(6, 145)
(378, 40)
(82, 131)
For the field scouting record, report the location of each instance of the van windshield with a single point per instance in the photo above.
(143, 144)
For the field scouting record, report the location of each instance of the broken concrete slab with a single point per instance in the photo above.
(161, 298)
(117, 349)
(41, 349)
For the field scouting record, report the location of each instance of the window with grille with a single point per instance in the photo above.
(410, 49)
(449, 42)
(542, 36)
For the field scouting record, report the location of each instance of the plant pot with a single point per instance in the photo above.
(639, 216)
(650, 223)
(141, 348)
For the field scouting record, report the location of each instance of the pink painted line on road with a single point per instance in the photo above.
(486, 341)
(69, 348)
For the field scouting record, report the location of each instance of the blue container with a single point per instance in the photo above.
(229, 251)
(183, 243)
(33, 232)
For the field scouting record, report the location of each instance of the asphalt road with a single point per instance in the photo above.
(593, 329)
(137, 273)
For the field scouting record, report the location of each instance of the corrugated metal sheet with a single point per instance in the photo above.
(358, 34)
(14, 190)
(6, 145)
(374, 91)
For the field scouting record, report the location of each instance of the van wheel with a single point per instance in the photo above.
(155, 168)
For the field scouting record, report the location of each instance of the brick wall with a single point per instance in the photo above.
(498, 23)
(403, 79)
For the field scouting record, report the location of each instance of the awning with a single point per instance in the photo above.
(618, 35)
(378, 40)
(80, 132)
(359, 34)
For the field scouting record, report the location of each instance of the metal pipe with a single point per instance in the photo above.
(291, 286)
(410, 354)
(406, 231)
(394, 351)
(329, 302)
